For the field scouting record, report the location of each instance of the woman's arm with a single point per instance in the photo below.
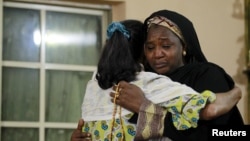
(224, 103)
(132, 98)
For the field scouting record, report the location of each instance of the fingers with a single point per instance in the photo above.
(118, 92)
(115, 98)
(117, 89)
(86, 136)
(122, 85)
(78, 135)
(80, 124)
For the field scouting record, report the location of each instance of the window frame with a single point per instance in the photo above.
(42, 124)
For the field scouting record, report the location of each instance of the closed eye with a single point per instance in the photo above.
(149, 47)
(166, 46)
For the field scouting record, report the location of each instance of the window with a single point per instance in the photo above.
(48, 55)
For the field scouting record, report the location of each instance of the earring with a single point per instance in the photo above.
(184, 53)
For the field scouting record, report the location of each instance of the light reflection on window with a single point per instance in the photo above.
(53, 38)
(37, 37)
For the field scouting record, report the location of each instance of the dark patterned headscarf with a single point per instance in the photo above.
(183, 28)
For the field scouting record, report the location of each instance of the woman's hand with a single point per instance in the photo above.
(78, 135)
(130, 96)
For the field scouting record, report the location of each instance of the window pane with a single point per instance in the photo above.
(64, 95)
(19, 134)
(73, 38)
(21, 34)
(20, 95)
(58, 134)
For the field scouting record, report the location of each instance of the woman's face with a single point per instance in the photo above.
(163, 50)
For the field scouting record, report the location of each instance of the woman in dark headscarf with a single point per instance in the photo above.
(172, 48)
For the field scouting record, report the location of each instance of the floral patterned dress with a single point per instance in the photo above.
(183, 102)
